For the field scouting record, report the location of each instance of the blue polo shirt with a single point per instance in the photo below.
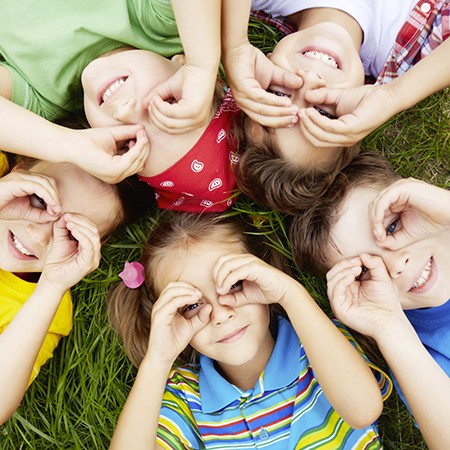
(432, 325)
(286, 409)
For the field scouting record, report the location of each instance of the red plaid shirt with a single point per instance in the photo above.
(281, 23)
(427, 26)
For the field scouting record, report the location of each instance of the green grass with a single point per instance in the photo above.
(76, 400)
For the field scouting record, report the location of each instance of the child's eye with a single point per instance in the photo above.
(278, 93)
(236, 286)
(392, 227)
(37, 202)
(191, 310)
(362, 276)
(324, 113)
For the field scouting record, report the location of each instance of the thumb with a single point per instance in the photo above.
(124, 132)
(323, 96)
(285, 78)
(200, 320)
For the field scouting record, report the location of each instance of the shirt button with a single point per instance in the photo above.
(425, 8)
(263, 435)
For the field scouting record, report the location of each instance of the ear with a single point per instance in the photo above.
(179, 59)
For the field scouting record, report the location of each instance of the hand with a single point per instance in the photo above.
(98, 151)
(171, 331)
(75, 252)
(360, 111)
(260, 282)
(183, 103)
(16, 197)
(250, 73)
(416, 209)
(365, 302)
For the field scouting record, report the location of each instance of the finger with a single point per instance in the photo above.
(161, 93)
(342, 265)
(322, 131)
(277, 120)
(342, 278)
(88, 239)
(228, 269)
(124, 132)
(383, 205)
(286, 78)
(43, 186)
(200, 320)
(323, 96)
(179, 121)
(173, 302)
(178, 290)
(377, 269)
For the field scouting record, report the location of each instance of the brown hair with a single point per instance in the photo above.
(309, 230)
(129, 310)
(269, 179)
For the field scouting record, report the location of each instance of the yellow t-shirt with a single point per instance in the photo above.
(14, 292)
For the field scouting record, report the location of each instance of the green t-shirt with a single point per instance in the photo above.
(47, 44)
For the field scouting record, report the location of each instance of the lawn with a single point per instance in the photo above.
(76, 400)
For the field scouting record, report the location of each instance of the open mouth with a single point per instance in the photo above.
(111, 89)
(18, 245)
(424, 276)
(322, 56)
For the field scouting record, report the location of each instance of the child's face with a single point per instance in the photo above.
(25, 244)
(329, 58)
(116, 85)
(419, 271)
(234, 337)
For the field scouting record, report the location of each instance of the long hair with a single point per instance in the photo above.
(130, 310)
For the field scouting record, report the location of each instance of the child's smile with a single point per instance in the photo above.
(419, 271)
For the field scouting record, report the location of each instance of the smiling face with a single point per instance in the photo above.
(419, 271)
(115, 86)
(237, 338)
(24, 244)
(328, 56)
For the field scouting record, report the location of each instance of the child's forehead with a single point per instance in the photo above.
(194, 262)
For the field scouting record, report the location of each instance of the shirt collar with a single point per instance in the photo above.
(281, 370)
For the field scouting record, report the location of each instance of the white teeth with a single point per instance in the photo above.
(327, 59)
(20, 247)
(113, 88)
(423, 276)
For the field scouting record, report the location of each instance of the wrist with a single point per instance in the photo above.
(51, 291)
(154, 360)
(47, 285)
(394, 329)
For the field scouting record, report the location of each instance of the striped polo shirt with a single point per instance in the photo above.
(286, 410)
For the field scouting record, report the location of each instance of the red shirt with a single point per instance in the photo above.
(203, 179)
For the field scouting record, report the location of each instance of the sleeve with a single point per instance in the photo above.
(177, 428)
(383, 379)
(60, 327)
(50, 343)
(24, 95)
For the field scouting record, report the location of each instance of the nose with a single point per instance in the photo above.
(221, 313)
(311, 79)
(40, 233)
(129, 110)
(396, 261)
